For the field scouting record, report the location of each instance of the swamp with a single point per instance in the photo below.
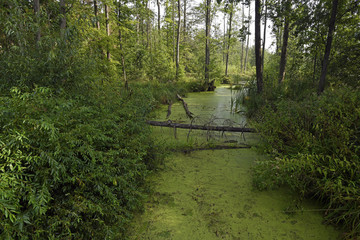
(178, 119)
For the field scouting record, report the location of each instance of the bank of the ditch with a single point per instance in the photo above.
(209, 194)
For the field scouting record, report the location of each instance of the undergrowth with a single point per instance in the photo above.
(73, 167)
(314, 147)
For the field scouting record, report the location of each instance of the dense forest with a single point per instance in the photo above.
(79, 79)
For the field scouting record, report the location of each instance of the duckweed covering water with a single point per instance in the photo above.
(209, 195)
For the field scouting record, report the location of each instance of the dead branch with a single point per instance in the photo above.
(188, 113)
(169, 109)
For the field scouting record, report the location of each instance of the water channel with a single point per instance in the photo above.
(208, 194)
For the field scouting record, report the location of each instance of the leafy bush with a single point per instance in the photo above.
(72, 168)
(315, 148)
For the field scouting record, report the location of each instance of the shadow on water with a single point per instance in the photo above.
(209, 195)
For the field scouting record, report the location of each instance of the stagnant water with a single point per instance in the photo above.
(209, 195)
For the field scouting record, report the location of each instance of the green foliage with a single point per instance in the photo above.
(72, 168)
(315, 149)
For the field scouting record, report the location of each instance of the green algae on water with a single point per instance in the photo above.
(209, 194)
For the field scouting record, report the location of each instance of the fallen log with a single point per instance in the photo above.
(201, 127)
(188, 113)
(210, 148)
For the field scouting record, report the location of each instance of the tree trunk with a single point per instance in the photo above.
(315, 61)
(187, 111)
(284, 44)
(328, 47)
(167, 29)
(121, 49)
(97, 23)
(224, 45)
(63, 16)
(228, 45)
(279, 36)
(148, 43)
(201, 127)
(185, 20)
(173, 24)
(259, 80)
(242, 42)
(264, 36)
(107, 29)
(137, 17)
(247, 44)
(207, 43)
(37, 16)
(158, 6)
(178, 41)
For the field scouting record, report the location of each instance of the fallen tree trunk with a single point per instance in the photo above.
(201, 127)
(210, 148)
(188, 113)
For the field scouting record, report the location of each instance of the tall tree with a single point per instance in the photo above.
(97, 22)
(207, 41)
(148, 28)
(247, 41)
(178, 40)
(259, 79)
(37, 16)
(231, 11)
(264, 36)
(36, 6)
(121, 47)
(185, 8)
(328, 46)
(107, 19)
(173, 25)
(63, 16)
(224, 46)
(158, 13)
(285, 41)
(242, 39)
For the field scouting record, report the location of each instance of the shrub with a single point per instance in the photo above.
(72, 168)
(315, 149)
